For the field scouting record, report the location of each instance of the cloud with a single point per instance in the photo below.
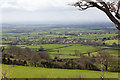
(7, 5)
(33, 5)
(47, 11)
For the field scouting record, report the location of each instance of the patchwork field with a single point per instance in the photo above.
(63, 50)
(58, 41)
(69, 50)
(36, 37)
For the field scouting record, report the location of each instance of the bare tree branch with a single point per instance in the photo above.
(117, 12)
(108, 7)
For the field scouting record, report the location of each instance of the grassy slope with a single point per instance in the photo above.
(53, 48)
(38, 72)
(64, 49)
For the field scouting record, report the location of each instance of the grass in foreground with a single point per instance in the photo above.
(38, 72)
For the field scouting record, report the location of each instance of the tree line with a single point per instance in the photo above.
(26, 57)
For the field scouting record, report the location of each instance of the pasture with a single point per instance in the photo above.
(97, 36)
(38, 72)
(110, 42)
(69, 50)
(63, 50)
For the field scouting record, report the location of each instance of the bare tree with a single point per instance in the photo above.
(103, 58)
(110, 7)
(5, 74)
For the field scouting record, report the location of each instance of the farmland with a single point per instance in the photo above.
(33, 72)
(37, 49)
(110, 42)
(65, 50)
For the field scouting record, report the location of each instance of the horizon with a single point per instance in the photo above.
(56, 11)
(56, 23)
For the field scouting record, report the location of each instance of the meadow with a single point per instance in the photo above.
(69, 50)
(38, 72)
(97, 36)
(110, 42)
(65, 50)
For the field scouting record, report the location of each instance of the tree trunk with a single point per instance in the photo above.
(106, 67)
(113, 19)
(118, 26)
(102, 74)
(35, 65)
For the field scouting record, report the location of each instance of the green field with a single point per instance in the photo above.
(45, 46)
(110, 42)
(35, 37)
(68, 50)
(62, 56)
(38, 72)
(60, 42)
(97, 36)
(65, 50)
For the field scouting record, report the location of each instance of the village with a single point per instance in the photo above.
(65, 38)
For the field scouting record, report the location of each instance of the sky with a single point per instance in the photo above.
(47, 11)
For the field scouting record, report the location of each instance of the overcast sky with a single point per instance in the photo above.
(47, 11)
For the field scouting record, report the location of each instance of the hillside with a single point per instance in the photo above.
(38, 72)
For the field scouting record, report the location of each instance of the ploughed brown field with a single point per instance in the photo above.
(4, 45)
